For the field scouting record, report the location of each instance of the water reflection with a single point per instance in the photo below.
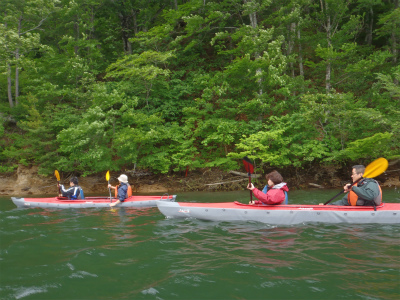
(137, 253)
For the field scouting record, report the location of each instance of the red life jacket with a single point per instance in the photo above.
(128, 194)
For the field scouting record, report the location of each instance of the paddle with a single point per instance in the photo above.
(108, 180)
(58, 181)
(250, 170)
(376, 168)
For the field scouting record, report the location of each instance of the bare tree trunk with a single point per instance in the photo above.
(292, 30)
(126, 24)
(253, 23)
(16, 65)
(328, 64)
(394, 42)
(16, 76)
(371, 26)
(9, 85)
(394, 38)
(300, 53)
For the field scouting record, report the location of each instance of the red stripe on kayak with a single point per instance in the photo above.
(237, 205)
(95, 199)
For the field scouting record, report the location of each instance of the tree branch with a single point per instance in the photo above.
(40, 24)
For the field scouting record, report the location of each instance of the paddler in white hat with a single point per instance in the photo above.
(122, 191)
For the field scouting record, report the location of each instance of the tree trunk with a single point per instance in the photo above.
(371, 26)
(394, 37)
(253, 23)
(394, 42)
(16, 64)
(126, 23)
(328, 64)
(9, 86)
(292, 30)
(16, 76)
(301, 68)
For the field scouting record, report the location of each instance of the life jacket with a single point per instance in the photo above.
(128, 193)
(79, 194)
(352, 197)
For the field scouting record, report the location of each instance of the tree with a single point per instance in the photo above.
(20, 21)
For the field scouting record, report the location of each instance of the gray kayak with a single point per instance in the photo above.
(387, 213)
(61, 202)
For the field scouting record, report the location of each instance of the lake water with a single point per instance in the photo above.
(138, 254)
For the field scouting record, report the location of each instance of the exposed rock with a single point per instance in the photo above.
(27, 181)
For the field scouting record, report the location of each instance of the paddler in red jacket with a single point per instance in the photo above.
(276, 193)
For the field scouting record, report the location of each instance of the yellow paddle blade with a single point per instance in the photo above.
(57, 175)
(376, 168)
(108, 175)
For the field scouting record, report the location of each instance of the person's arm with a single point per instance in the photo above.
(66, 192)
(122, 191)
(251, 187)
(273, 197)
(368, 191)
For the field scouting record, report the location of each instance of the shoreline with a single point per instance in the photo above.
(27, 181)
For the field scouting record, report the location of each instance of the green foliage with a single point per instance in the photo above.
(370, 148)
(113, 85)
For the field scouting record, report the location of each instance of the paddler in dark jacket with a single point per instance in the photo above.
(74, 192)
(276, 193)
(123, 190)
(366, 192)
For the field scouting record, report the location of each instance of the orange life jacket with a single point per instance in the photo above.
(128, 194)
(352, 197)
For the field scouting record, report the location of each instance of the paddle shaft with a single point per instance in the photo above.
(251, 192)
(342, 192)
(250, 169)
(109, 190)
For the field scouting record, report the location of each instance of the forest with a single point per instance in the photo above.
(166, 86)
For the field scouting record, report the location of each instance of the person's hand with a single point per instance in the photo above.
(347, 188)
(109, 186)
(112, 204)
(250, 186)
(252, 202)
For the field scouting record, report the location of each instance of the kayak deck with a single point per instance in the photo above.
(282, 214)
(62, 202)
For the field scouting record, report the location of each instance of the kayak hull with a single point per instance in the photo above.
(100, 202)
(387, 213)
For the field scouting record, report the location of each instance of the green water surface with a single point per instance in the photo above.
(138, 254)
